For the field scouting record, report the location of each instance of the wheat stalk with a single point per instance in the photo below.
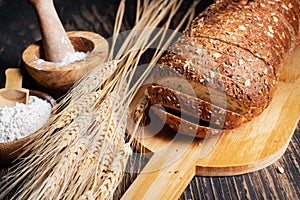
(81, 152)
(108, 130)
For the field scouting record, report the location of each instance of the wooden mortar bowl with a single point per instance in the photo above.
(61, 78)
(9, 151)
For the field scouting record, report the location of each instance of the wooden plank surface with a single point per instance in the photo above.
(19, 28)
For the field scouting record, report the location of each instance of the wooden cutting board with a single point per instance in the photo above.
(176, 159)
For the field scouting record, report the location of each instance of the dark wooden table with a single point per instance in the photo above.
(19, 28)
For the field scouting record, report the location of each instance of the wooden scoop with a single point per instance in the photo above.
(13, 91)
(56, 42)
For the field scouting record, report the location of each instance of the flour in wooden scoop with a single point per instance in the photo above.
(21, 120)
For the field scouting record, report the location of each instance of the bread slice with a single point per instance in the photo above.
(183, 76)
(205, 54)
(194, 107)
(185, 127)
(224, 26)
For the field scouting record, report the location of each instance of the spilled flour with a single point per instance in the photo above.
(20, 120)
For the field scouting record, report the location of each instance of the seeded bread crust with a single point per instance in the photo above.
(243, 57)
(287, 8)
(210, 87)
(215, 51)
(280, 37)
(284, 22)
(226, 53)
(283, 15)
(193, 107)
(185, 127)
(240, 71)
(225, 48)
(224, 27)
(284, 31)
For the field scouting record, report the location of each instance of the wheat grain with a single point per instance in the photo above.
(94, 79)
(56, 182)
(81, 152)
(76, 108)
(111, 129)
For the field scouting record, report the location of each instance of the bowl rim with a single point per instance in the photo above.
(100, 48)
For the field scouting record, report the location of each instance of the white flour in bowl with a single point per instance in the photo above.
(20, 120)
(68, 59)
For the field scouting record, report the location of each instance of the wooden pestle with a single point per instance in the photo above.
(56, 43)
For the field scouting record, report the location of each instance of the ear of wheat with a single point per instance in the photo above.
(81, 152)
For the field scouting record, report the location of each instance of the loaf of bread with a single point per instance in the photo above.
(229, 58)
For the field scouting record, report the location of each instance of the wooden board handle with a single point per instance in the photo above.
(167, 173)
(56, 43)
(13, 78)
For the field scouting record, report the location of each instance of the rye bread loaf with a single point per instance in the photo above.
(247, 29)
(185, 127)
(191, 106)
(230, 59)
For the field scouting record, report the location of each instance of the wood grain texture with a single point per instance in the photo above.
(20, 29)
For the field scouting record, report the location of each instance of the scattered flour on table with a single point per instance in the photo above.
(20, 120)
(68, 59)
